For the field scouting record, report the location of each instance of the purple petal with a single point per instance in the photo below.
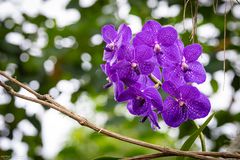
(198, 108)
(130, 107)
(151, 26)
(146, 67)
(144, 38)
(172, 54)
(128, 53)
(107, 56)
(188, 92)
(114, 59)
(118, 89)
(167, 36)
(109, 33)
(196, 73)
(125, 32)
(128, 94)
(153, 118)
(157, 73)
(143, 53)
(167, 72)
(136, 84)
(161, 58)
(125, 72)
(174, 74)
(146, 81)
(138, 107)
(114, 77)
(123, 68)
(130, 79)
(170, 89)
(180, 45)
(125, 51)
(172, 113)
(155, 97)
(192, 52)
(109, 71)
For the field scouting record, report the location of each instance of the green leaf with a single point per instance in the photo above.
(188, 143)
(107, 158)
(201, 136)
(214, 85)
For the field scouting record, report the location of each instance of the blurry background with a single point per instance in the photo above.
(55, 47)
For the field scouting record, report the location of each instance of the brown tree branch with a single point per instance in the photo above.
(46, 100)
(234, 155)
(149, 156)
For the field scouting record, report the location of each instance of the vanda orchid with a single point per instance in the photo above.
(155, 53)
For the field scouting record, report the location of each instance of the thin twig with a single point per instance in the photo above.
(194, 20)
(39, 96)
(224, 44)
(184, 13)
(49, 102)
(215, 5)
(148, 156)
(213, 154)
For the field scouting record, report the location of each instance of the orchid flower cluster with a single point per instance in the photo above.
(155, 59)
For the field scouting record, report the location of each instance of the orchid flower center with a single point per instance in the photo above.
(110, 47)
(135, 68)
(181, 103)
(157, 48)
(134, 65)
(184, 66)
(141, 100)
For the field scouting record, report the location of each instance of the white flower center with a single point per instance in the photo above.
(181, 103)
(134, 65)
(157, 48)
(184, 66)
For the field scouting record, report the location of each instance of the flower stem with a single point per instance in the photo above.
(201, 136)
(155, 80)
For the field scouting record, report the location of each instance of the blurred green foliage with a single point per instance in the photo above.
(83, 143)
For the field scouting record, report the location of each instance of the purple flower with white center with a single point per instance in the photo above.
(146, 103)
(133, 71)
(114, 40)
(136, 62)
(160, 39)
(185, 67)
(184, 103)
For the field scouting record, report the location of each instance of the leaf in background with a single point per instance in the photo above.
(188, 143)
(214, 85)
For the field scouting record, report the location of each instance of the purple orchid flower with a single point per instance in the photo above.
(184, 67)
(136, 62)
(128, 66)
(160, 39)
(114, 40)
(184, 103)
(146, 103)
